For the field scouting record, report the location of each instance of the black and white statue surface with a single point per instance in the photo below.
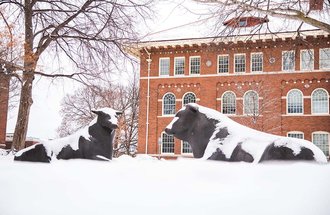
(214, 136)
(95, 141)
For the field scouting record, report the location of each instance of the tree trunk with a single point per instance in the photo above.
(23, 114)
(26, 101)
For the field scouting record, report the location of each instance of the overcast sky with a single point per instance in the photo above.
(48, 93)
(173, 19)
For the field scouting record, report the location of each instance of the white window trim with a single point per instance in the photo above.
(253, 53)
(235, 63)
(294, 59)
(245, 114)
(303, 106)
(301, 51)
(221, 99)
(163, 58)
(200, 65)
(190, 153)
(182, 100)
(311, 97)
(161, 146)
(184, 59)
(218, 71)
(320, 58)
(295, 132)
(168, 115)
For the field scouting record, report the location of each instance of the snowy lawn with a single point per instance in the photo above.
(144, 185)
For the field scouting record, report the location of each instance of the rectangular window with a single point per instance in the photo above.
(288, 60)
(307, 60)
(179, 66)
(239, 62)
(167, 143)
(164, 66)
(322, 141)
(223, 64)
(325, 58)
(195, 65)
(256, 62)
(296, 135)
(186, 148)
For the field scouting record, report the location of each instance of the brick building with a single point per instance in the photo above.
(278, 84)
(4, 84)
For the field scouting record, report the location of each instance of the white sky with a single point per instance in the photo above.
(169, 14)
(48, 94)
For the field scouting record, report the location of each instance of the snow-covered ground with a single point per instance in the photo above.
(145, 185)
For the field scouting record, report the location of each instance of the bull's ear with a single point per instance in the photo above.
(193, 108)
(96, 112)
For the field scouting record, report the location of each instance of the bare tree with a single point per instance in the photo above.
(76, 112)
(90, 33)
(312, 12)
(258, 105)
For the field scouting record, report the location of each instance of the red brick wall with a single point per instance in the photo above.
(4, 83)
(273, 84)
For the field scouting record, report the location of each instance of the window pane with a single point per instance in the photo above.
(256, 60)
(295, 102)
(239, 63)
(167, 143)
(320, 101)
(307, 60)
(189, 98)
(195, 64)
(296, 135)
(186, 148)
(251, 103)
(288, 60)
(169, 104)
(324, 58)
(229, 103)
(164, 66)
(178, 66)
(322, 141)
(223, 64)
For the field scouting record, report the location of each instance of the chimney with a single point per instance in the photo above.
(316, 4)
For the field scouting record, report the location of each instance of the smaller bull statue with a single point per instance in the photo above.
(214, 136)
(93, 142)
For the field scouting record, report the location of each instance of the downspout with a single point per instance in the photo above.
(148, 98)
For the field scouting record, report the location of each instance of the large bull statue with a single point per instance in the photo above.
(214, 136)
(92, 142)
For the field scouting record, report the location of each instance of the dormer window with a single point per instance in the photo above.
(241, 22)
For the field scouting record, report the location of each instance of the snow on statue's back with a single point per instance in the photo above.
(92, 142)
(214, 136)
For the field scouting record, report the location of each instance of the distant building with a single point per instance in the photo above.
(29, 141)
(274, 83)
(4, 93)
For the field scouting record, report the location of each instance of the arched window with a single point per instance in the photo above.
(251, 103)
(321, 139)
(186, 148)
(169, 104)
(167, 143)
(189, 98)
(228, 103)
(320, 101)
(295, 102)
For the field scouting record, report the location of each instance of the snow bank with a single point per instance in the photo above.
(145, 185)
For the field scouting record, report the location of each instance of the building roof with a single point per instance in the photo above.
(135, 49)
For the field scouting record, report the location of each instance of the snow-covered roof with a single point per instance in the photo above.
(135, 49)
